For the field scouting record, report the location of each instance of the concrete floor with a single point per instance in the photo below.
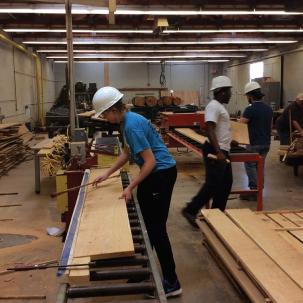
(201, 279)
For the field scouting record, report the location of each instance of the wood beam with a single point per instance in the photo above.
(112, 6)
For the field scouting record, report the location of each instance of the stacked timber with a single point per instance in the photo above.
(167, 100)
(151, 101)
(103, 229)
(138, 101)
(14, 141)
(176, 101)
(261, 252)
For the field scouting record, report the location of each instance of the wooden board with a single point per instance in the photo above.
(78, 275)
(46, 143)
(239, 132)
(251, 290)
(270, 242)
(273, 280)
(104, 230)
(188, 132)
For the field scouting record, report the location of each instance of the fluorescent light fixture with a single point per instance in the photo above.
(177, 42)
(96, 61)
(152, 50)
(146, 57)
(201, 12)
(110, 31)
(273, 30)
(149, 61)
(86, 10)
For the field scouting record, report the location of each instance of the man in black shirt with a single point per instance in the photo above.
(258, 117)
(291, 120)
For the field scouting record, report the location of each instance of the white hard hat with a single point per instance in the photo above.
(219, 82)
(104, 98)
(250, 86)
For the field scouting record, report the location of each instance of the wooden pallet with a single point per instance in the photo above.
(261, 251)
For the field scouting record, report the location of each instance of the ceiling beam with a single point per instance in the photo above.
(99, 3)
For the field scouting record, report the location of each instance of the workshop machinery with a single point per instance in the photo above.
(171, 122)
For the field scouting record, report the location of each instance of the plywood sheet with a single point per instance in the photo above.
(273, 280)
(239, 132)
(104, 230)
(270, 242)
(188, 132)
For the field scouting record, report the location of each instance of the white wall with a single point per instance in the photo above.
(192, 77)
(18, 84)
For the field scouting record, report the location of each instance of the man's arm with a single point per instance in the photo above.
(210, 129)
(244, 120)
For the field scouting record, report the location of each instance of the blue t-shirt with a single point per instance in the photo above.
(141, 135)
(259, 124)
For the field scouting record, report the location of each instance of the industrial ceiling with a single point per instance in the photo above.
(154, 30)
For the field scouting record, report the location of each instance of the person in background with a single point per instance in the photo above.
(218, 180)
(155, 181)
(258, 117)
(291, 120)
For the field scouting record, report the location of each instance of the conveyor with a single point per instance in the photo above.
(111, 276)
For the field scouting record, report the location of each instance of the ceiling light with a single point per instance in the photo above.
(110, 31)
(152, 50)
(200, 12)
(177, 42)
(180, 31)
(86, 10)
(145, 57)
(118, 61)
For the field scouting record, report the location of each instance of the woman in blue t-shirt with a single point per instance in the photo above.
(155, 180)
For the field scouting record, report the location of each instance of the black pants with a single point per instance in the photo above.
(154, 195)
(217, 184)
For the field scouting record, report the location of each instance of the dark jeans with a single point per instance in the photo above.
(154, 196)
(252, 167)
(217, 184)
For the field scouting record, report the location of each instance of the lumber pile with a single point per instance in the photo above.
(103, 230)
(14, 145)
(262, 252)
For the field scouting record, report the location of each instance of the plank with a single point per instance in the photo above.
(104, 230)
(188, 132)
(81, 274)
(239, 132)
(271, 278)
(46, 143)
(270, 242)
(272, 223)
(297, 220)
(231, 265)
(7, 125)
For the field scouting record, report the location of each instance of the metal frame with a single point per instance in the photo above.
(196, 147)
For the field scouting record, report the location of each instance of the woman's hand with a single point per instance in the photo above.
(127, 194)
(100, 179)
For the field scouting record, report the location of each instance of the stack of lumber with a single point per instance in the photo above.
(103, 230)
(14, 142)
(262, 252)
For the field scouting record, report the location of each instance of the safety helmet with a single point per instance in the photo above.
(104, 98)
(250, 86)
(219, 82)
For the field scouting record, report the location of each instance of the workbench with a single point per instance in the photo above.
(194, 143)
(41, 149)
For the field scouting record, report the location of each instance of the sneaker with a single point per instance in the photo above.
(172, 290)
(248, 197)
(189, 217)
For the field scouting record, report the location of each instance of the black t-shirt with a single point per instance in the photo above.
(296, 115)
(259, 115)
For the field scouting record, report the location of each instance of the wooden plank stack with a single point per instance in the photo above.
(262, 252)
(14, 140)
(103, 230)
